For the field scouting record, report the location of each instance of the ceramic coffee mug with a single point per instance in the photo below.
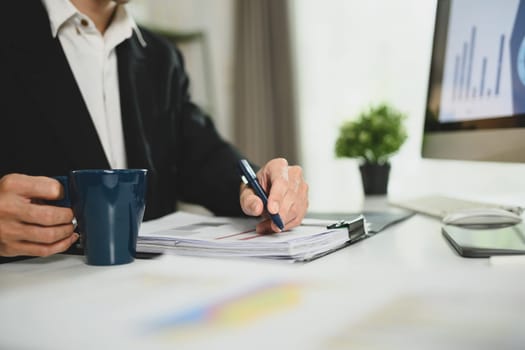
(108, 206)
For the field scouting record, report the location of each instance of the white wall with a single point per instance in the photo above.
(351, 53)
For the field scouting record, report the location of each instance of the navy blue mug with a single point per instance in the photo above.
(108, 206)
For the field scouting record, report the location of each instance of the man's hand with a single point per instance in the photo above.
(29, 228)
(287, 195)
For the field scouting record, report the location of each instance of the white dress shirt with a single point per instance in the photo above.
(93, 60)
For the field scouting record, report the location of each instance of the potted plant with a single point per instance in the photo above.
(373, 138)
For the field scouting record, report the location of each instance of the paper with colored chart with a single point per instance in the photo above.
(198, 235)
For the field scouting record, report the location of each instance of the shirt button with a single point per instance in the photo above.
(84, 22)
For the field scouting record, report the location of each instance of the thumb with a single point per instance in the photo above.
(251, 204)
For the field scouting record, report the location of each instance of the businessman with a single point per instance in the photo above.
(83, 87)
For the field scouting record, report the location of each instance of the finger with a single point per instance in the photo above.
(45, 215)
(299, 207)
(275, 178)
(295, 203)
(23, 209)
(39, 249)
(251, 204)
(275, 169)
(39, 234)
(32, 186)
(295, 217)
(266, 227)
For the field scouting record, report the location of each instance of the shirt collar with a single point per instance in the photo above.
(61, 11)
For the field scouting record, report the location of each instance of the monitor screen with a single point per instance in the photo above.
(476, 95)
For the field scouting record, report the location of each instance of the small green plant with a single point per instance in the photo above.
(373, 137)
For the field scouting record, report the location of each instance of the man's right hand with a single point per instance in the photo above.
(30, 228)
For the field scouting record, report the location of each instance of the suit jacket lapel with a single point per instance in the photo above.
(51, 83)
(134, 81)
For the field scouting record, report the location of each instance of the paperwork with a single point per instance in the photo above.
(197, 235)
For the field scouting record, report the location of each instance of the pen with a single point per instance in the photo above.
(248, 177)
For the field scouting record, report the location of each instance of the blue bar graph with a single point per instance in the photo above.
(456, 77)
(500, 62)
(462, 72)
(483, 73)
(466, 67)
(471, 58)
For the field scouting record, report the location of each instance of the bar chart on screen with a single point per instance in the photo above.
(480, 64)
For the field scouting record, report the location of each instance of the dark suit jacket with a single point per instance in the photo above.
(46, 128)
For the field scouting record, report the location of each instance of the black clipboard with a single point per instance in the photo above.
(377, 220)
(357, 231)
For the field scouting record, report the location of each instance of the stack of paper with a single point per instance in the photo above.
(197, 235)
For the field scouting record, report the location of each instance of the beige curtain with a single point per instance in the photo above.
(264, 99)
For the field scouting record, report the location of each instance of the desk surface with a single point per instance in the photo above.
(404, 287)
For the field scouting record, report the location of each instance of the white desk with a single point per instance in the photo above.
(404, 288)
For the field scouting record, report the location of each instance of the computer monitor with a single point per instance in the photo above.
(476, 95)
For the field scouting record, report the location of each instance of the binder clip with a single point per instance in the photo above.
(357, 228)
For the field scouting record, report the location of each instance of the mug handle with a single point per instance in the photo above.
(65, 202)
